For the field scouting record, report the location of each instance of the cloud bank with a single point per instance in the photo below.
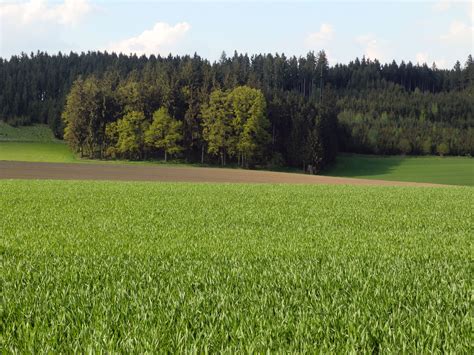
(372, 47)
(40, 25)
(459, 32)
(68, 13)
(320, 38)
(161, 39)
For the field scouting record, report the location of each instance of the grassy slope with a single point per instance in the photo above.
(36, 151)
(32, 143)
(35, 133)
(442, 170)
(37, 144)
(135, 267)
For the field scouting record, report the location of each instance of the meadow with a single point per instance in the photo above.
(37, 144)
(135, 267)
(54, 152)
(32, 143)
(439, 170)
(33, 133)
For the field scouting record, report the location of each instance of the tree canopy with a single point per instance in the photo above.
(164, 133)
(392, 108)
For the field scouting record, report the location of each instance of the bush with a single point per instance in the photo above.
(442, 149)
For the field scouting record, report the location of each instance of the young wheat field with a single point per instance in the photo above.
(136, 267)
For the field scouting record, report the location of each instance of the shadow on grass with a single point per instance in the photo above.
(354, 165)
(185, 163)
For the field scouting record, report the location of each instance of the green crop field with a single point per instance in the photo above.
(441, 170)
(163, 267)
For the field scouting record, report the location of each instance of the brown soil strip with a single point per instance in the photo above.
(71, 171)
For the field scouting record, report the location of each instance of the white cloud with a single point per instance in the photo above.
(423, 57)
(459, 32)
(159, 40)
(321, 37)
(445, 5)
(441, 63)
(40, 25)
(330, 56)
(70, 12)
(442, 5)
(372, 47)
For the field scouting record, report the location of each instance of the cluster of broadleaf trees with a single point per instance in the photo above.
(260, 110)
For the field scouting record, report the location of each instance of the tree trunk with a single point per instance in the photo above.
(273, 137)
(202, 154)
(166, 156)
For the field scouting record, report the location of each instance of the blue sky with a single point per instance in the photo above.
(417, 31)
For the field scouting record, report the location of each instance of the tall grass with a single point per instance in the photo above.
(136, 267)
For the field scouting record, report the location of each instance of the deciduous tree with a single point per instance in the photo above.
(131, 133)
(164, 133)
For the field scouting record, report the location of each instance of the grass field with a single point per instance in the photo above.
(135, 267)
(32, 143)
(441, 170)
(34, 133)
(54, 152)
(37, 144)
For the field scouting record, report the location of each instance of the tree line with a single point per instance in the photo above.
(363, 106)
(112, 117)
(398, 122)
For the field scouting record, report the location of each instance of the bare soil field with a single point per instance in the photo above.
(66, 171)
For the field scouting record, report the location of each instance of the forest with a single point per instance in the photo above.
(265, 110)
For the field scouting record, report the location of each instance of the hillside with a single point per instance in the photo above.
(33, 133)
(380, 108)
(34, 143)
(37, 144)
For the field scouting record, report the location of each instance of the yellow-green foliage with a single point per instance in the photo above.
(235, 123)
(164, 133)
(136, 267)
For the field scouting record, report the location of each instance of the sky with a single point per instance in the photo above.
(416, 31)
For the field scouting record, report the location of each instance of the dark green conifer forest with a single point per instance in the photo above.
(265, 110)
